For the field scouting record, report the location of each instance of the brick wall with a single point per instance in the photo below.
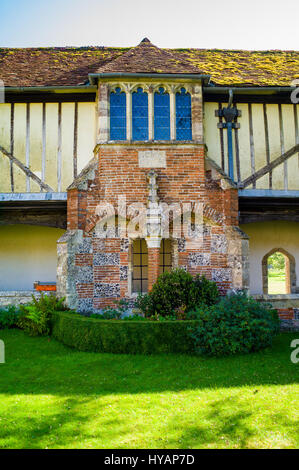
(101, 266)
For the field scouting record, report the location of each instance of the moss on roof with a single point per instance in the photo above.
(71, 65)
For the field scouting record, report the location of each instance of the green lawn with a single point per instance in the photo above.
(276, 282)
(54, 397)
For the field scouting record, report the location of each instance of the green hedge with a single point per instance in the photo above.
(117, 336)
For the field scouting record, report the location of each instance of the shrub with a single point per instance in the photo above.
(35, 316)
(113, 313)
(206, 291)
(176, 293)
(9, 316)
(120, 336)
(237, 324)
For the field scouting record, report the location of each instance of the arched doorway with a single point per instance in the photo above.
(279, 276)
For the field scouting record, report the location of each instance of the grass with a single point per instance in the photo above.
(55, 397)
(276, 282)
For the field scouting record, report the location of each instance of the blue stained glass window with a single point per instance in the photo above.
(140, 115)
(183, 116)
(161, 115)
(118, 121)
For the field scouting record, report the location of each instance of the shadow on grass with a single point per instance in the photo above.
(43, 366)
(232, 426)
(222, 423)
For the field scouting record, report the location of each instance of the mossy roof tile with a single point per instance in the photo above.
(71, 66)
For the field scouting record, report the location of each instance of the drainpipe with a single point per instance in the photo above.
(229, 114)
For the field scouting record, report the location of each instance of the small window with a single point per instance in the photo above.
(165, 256)
(118, 122)
(161, 115)
(183, 115)
(140, 265)
(140, 115)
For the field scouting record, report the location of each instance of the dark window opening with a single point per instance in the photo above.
(118, 122)
(140, 263)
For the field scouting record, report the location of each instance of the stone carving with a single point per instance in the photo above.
(152, 159)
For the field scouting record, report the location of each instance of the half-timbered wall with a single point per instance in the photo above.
(266, 132)
(54, 141)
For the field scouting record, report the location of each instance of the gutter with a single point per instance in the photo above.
(52, 89)
(93, 77)
(212, 89)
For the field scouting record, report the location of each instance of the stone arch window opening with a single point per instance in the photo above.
(183, 115)
(161, 115)
(279, 276)
(118, 118)
(139, 115)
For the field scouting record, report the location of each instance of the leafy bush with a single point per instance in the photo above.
(9, 316)
(206, 291)
(113, 313)
(237, 324)
(176, 293)
(35, 316)
(120, 336)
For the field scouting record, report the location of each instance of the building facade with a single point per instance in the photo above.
(141, 160)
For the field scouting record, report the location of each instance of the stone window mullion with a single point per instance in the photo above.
(172, 115)
(150, 114)
(129, 114)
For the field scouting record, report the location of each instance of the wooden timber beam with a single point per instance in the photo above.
(26, 170)
(270, 166)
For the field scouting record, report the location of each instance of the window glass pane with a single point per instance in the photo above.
(140, 115)
(165, 256)
(167, 259)
(118, 121)
(136, 286)
(143, 246)
(140, 269)
(183, 116)
(167, 246)
(161, 115)
(137, 272)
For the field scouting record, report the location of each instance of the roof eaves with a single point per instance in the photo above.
(190, 76)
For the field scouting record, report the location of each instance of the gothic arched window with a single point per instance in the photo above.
(140, 115)
(161, 115)
(118, 122)
(183, 115)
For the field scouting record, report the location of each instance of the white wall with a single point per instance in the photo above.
(45, 153)
(212, 139)
(27, 254)
(263, 237)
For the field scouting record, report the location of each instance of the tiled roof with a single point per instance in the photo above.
(71, 66)
(147, 58)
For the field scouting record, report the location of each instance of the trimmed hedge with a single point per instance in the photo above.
(127, 337)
